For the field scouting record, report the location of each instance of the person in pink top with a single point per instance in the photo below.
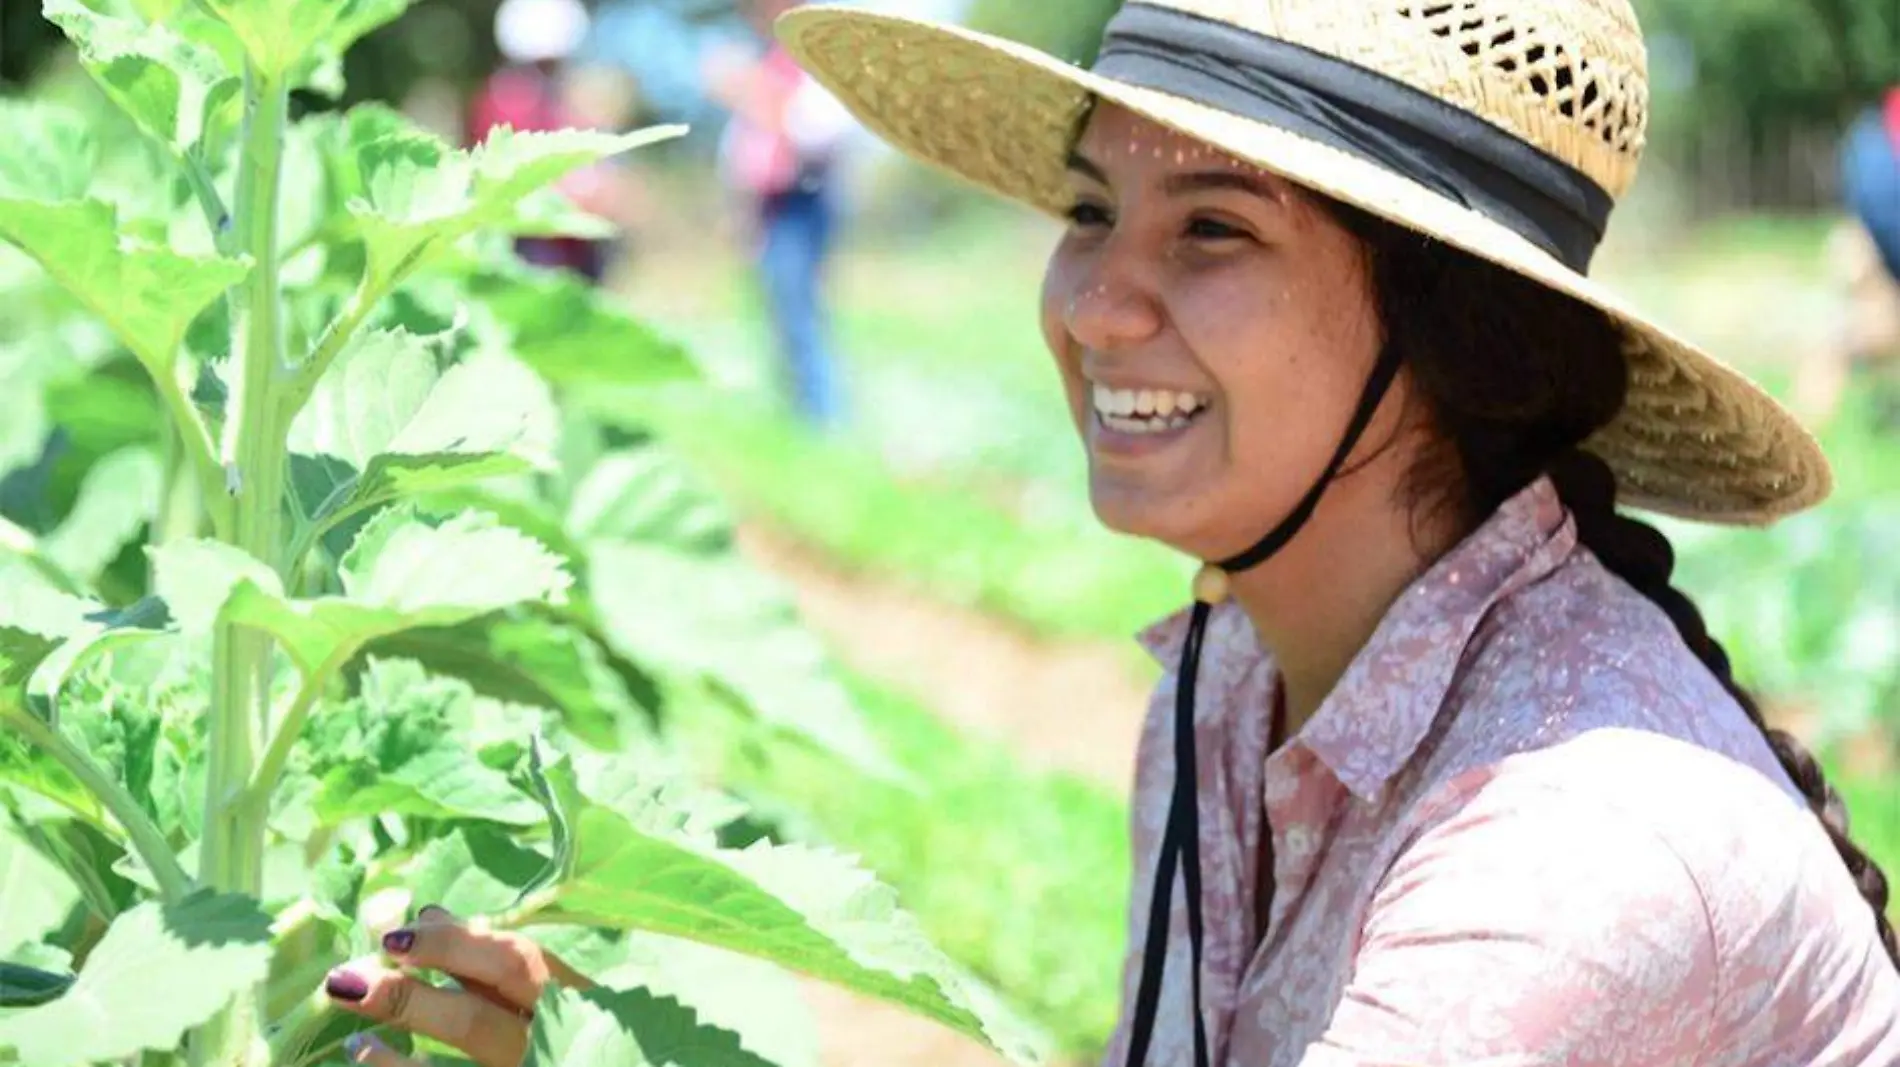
(1444, 771)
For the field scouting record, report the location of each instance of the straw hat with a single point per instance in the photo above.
(1507, 128)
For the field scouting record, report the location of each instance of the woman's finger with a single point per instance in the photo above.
(507, 963)
(370, 1051)
(488, 1033)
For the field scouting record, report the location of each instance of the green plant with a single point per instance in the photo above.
(340, 610)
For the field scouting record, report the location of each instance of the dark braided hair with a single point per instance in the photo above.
(1516, 377)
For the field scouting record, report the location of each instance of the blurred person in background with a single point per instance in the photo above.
(532, 93)
(779, 158)
(1863, 258)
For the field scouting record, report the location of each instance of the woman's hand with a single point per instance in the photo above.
(501, 975)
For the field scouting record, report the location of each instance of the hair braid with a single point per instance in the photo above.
(1642, 556)
(1515, 377)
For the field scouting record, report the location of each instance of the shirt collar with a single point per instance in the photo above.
(1368, 728)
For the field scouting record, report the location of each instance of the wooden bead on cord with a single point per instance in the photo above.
(1210, 585)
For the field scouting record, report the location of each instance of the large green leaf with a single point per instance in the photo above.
(279, 35)
(473, 871)
(647, 495)
(47, 635)
(118, 497)
(627, 1028)
(146, 293)
(176, 91)
(725, 621)
(401, 574)
(412, 745)
(419, 198)
(397, 427)
(530, 661)
(159, 970)
(37, 893)
(573, 335)
(758, 1001)
(51, 152)
(811, 911)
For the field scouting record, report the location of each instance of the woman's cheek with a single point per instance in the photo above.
(1058, 289)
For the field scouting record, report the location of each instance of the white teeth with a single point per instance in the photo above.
(1145, 404)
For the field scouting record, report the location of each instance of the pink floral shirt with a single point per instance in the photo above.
(1527, 828)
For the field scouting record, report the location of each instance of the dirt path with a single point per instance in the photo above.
(1068, 706)
(1072, 707)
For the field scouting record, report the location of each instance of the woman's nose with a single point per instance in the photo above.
(1109, 307)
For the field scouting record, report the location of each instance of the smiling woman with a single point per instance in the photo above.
(1446, 772)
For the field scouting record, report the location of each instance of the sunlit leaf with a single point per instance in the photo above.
(118, 497)
(402, 573)
(37, 893)
(473, 871)
(731, 624)
(811, 911)
(760, 1002)
(397, 427)
(221, 942)
(51, 152)
(148, 294)
(420, 198)
(573, 335)
(177, 92)
(627, 1028)
(647, 495)
(530, 661)
(279, 35)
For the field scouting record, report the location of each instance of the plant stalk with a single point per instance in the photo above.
(255, 455)
(145, 836)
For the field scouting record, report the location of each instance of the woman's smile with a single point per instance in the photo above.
(1132, 422)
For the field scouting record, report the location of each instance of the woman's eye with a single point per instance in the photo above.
(1214, 230)
(1086, 215)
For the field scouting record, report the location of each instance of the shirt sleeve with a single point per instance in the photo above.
(1531, 927)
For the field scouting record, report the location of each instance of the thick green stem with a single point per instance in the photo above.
(254, 451)
(146, 839)
(264, 780)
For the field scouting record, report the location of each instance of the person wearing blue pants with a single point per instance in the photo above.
(780, 155)
(1870, 177)
(796, 227)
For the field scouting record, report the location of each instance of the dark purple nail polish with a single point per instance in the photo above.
(399, 942)
(346, 985)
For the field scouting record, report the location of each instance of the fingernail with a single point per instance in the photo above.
(399, 942)
(358, 1046)
(346, 985)
(433, 909)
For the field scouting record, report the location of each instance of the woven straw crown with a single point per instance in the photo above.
(1569, 76)
(1696, 439)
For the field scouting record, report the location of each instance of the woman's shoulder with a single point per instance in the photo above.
(1635, 841)
(1581, 654)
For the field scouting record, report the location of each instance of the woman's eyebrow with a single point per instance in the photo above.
(1201, 181)
(1196, 181)
(1086, 167)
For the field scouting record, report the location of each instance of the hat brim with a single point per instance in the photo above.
(1696, 439)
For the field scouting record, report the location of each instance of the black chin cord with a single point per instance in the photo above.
(1181, 841)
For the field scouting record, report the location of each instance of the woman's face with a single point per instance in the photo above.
(1214, 329)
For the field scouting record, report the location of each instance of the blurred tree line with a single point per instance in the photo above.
(1765, 61)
